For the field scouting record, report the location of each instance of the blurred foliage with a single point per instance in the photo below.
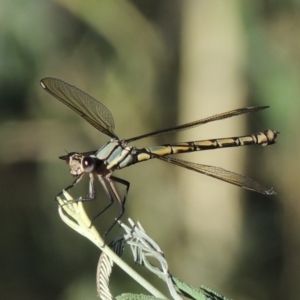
(127, 54)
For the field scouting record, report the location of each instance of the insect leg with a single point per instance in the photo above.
(124, 182)
(78, 178)
(111, 180)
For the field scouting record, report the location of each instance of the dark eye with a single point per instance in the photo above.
(88, 164)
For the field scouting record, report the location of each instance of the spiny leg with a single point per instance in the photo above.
(108, 193)
(92, 192)
(113, 194)
(117, 196)
(124, 182)
(78, 178)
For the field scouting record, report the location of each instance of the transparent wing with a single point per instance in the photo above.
(222, 174)
(217, 117)
(87, 107)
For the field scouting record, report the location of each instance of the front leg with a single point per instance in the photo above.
(92, 192)
(77, 179)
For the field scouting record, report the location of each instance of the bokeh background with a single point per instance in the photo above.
(155, 64)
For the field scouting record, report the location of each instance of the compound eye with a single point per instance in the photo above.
(88, 164)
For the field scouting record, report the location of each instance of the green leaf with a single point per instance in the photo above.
(211, 294)
(129, 296)
(202, 293)
(187, 290)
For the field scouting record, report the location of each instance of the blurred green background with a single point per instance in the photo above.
(154, 64)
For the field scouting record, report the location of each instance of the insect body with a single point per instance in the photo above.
(118, 154)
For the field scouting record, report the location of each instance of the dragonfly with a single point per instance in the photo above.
(118, 153)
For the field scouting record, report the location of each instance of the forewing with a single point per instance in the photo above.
(86, 106)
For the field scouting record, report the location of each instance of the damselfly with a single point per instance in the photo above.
(118, 154)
